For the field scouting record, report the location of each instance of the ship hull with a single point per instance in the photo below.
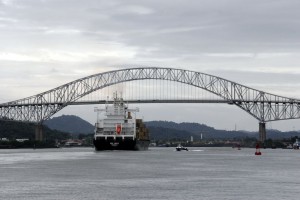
(105, 144)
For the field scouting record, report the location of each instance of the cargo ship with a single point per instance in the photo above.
(119, 129)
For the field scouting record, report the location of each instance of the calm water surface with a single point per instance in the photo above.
(160, 173)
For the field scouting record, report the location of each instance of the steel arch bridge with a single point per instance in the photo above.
(261, 105)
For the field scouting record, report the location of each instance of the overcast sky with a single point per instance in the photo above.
(46, 43)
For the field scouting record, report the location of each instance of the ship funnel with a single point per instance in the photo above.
(129, 115)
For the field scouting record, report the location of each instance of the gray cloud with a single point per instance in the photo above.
(253, 42)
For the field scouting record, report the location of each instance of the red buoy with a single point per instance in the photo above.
(257, 152)
(118, 129)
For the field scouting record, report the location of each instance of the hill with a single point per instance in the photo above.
(16, 130)
(70, 124)
(193, 129)
(165, 129)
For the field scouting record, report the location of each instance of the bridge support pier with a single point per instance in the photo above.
(262, 132)
(39, 132)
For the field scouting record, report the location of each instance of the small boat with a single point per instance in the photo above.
(238, 146)
(181, 148)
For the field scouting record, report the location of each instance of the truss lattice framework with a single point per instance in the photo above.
(261, 105)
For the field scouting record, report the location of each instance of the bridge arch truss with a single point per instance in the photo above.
(261, 105)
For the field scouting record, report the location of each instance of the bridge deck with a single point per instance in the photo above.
(237, 101)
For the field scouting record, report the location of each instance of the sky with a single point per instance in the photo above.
(47, 43)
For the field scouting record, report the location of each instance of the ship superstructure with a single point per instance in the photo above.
(119, 129)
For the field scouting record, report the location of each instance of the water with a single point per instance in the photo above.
(160, 173)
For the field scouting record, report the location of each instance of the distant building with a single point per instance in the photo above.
(153, 144)
(296, 145)
(22, 140)
(73, 143)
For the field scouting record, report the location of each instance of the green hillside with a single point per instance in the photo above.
(166, 129)
(16, 130)
(70, 124)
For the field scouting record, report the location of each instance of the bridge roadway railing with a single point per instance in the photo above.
(261, 105)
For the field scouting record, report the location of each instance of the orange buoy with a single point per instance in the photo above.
(257, 152)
